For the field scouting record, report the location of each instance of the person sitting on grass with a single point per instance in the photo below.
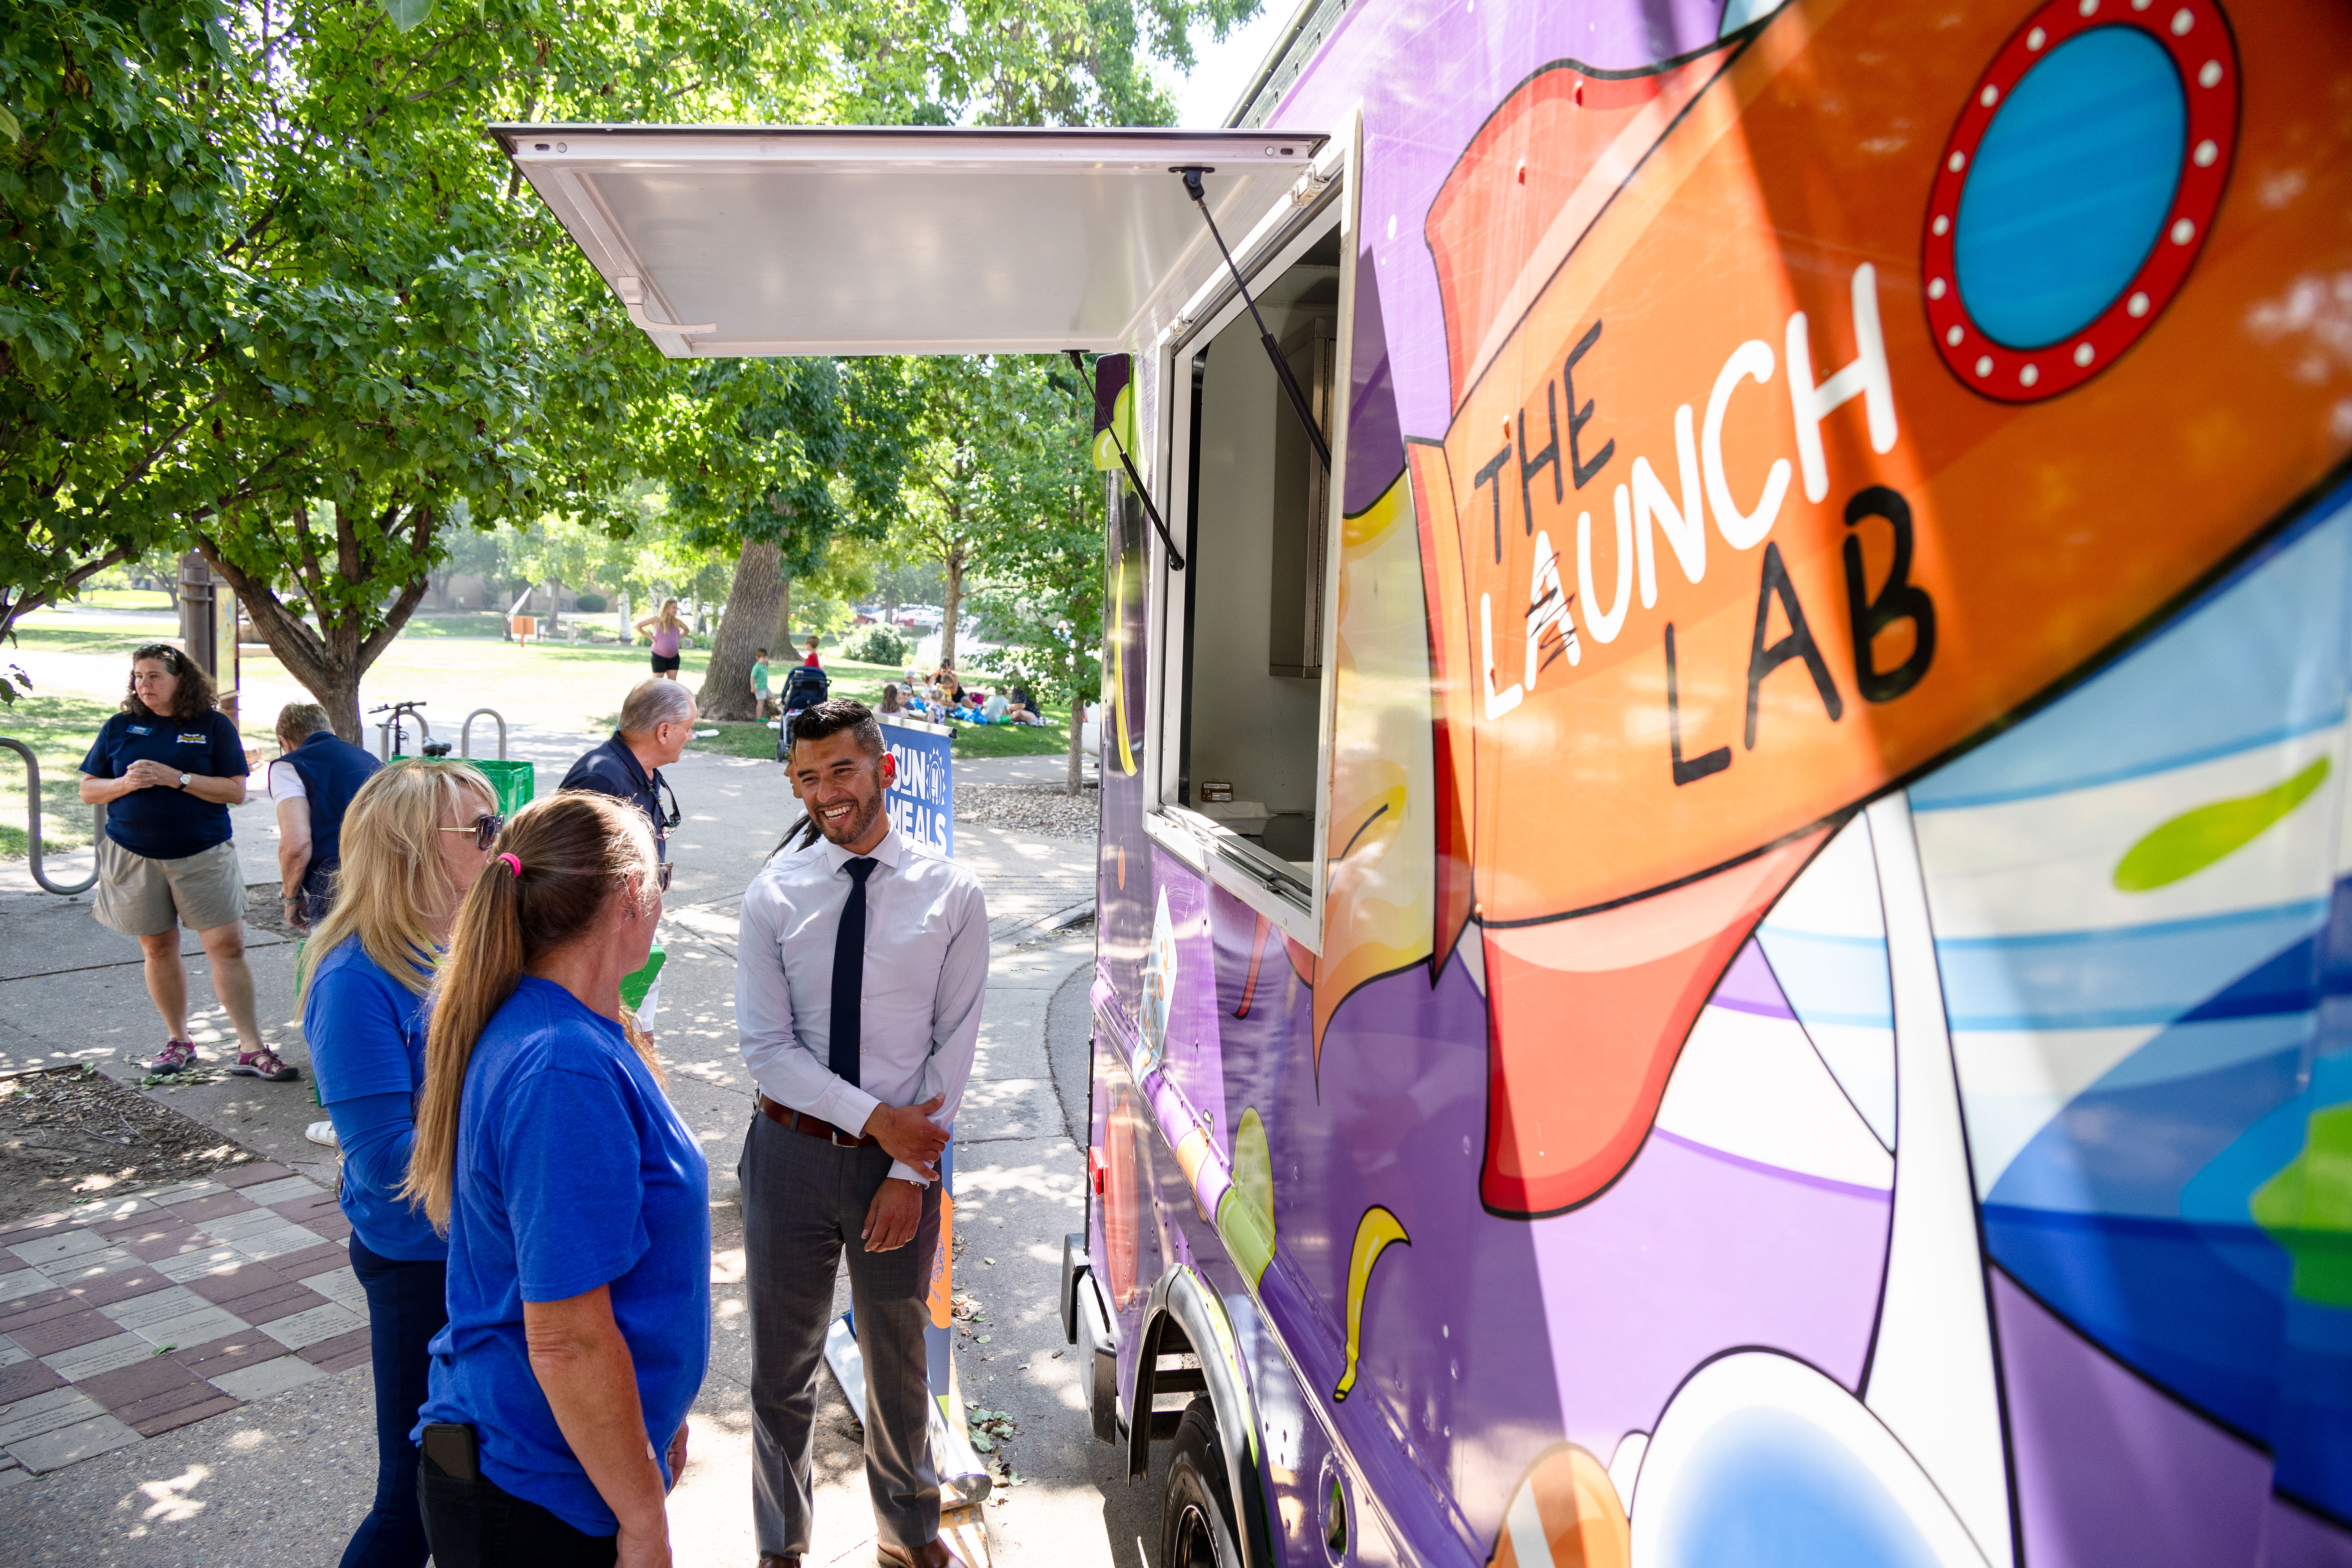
(891, 701)
(994, 711)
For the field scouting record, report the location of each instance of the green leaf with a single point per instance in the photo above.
(9, 128)
(407, 14)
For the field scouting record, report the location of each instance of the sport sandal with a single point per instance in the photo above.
(264, 1064)
(177, 1054)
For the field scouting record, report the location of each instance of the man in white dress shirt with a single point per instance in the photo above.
(857, 996)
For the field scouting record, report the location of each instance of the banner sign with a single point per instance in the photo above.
(921, 801)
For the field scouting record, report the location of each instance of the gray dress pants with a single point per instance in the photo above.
(804, 1201)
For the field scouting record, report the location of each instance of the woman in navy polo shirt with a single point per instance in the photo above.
(168, 767)
(414, 839)
(576, 1206)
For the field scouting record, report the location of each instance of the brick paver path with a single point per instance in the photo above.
(127, 1317)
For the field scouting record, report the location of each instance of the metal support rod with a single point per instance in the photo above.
(1272, 351)
(33, 815)
(1175, 556)
(465, 733)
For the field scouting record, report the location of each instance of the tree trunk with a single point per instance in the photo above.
(780, 647)
(726, 684)
(331, 661)
(1077, 729)
(950, 602)
(553, 589)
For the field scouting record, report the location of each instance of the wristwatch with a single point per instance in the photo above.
(185, 778)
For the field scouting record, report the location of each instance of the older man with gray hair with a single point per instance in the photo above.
(656, 720)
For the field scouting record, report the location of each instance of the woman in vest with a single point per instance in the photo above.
(312, 782)
(415, 840)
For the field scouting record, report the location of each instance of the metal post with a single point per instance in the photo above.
(33, 816)
(465, 733)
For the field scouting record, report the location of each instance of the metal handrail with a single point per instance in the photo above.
(33, 815)
(465, 733)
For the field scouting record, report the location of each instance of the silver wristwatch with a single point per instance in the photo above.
(185, 778)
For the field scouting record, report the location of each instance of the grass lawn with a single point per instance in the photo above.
(90, 634)
(123, 599)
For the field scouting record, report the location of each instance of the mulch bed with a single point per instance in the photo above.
(68, 1134)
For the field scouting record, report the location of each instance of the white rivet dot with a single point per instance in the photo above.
(2183, 231)
(1935, 288)
(2081, 353)
(2142, 5)
(1984, 364)
(2036, 38)
(1954, 336)
(2031, 373)
(2138, 303)
(1941, 226)
(1990, 96)
(2209, 74)
(2206, 154)
(2088, 7)
(1957, 161)
(2181, 21)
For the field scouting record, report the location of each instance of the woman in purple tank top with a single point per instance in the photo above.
(668, 632)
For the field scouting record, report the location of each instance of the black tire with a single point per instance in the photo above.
(1196, 1509)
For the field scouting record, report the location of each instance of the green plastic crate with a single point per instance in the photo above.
(515, 782)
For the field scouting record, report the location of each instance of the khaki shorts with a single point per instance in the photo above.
(140, 896)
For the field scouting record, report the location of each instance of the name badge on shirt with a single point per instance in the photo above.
(187, 740)
(142, 729)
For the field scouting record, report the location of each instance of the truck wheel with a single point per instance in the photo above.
(1196, 1512)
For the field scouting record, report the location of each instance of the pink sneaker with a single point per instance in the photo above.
(264, 1064)
(177, 1054)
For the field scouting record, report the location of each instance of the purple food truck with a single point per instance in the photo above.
(1723, 758)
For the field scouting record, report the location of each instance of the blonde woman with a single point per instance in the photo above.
(576, 1206)
(414, 839)
(668, 632)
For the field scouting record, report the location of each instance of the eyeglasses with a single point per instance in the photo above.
(485, 829)
(661, 876)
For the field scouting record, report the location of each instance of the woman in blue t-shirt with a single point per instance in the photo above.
(414, 839)
(576, 1206)
(167, 768)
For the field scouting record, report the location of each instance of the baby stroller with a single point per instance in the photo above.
(804, 687)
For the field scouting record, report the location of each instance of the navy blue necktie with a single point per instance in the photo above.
(849, 973)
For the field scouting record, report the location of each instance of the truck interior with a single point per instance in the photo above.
(1246, 618)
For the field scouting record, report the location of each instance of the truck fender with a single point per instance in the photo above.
(1183, 1313)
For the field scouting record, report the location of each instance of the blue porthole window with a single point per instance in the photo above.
(2076, 190)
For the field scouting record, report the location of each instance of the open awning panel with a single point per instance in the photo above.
(762, 240)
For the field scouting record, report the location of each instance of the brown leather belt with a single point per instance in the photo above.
(785, 1116)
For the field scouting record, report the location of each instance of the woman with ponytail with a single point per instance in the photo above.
(576, 1206)
(414, 839)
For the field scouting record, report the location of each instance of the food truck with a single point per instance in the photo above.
(1722, 933)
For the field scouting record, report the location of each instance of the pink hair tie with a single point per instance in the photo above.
(512, 864)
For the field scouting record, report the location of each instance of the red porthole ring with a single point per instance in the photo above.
(2195, 34)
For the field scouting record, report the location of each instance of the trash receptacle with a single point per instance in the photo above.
(513, 781)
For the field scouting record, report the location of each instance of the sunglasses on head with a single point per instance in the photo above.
(485, 829)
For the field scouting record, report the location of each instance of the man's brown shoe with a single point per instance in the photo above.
(778, 1560)
(934, 1553)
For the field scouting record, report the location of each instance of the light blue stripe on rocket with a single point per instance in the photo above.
(2260, 660)
(1831, 979)
(2104, 979)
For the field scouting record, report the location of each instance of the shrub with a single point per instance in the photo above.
(877, 644)
(590, 603)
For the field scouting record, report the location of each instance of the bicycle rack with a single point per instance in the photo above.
(465, 733)
(383, 735)
(33, 815)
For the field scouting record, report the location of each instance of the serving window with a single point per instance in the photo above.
(1245, 629)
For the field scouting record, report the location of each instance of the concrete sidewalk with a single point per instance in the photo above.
(283, 1477)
